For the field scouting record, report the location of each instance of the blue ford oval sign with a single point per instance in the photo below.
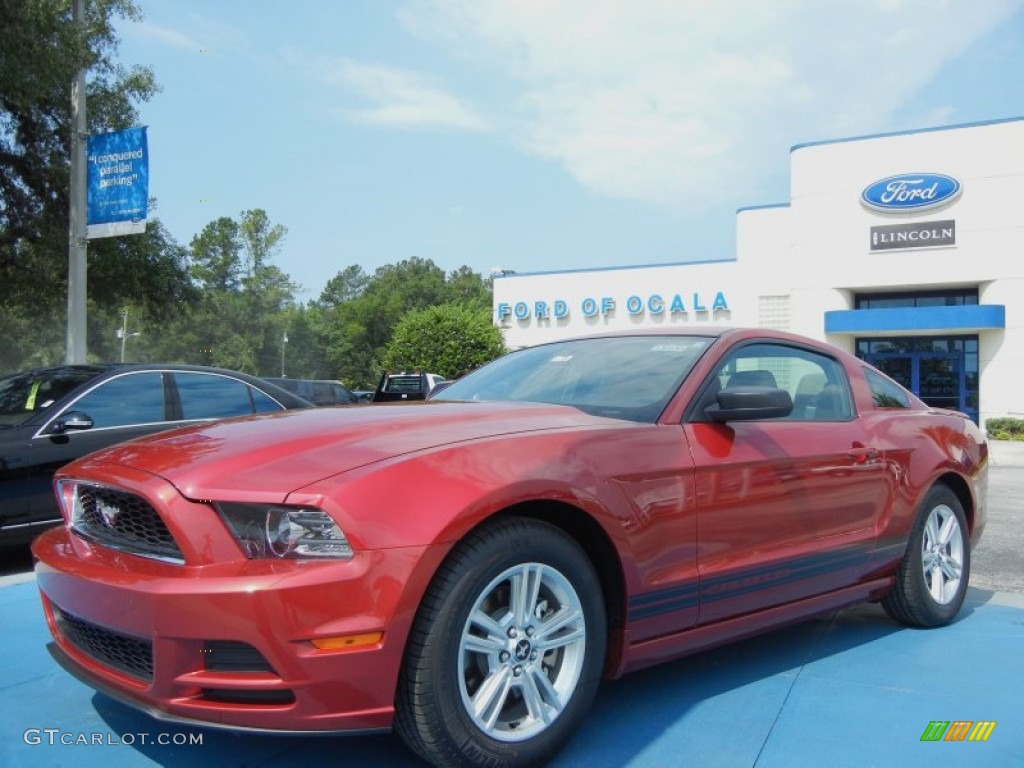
(910, 192)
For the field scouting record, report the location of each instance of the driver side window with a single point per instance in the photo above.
(816, 383)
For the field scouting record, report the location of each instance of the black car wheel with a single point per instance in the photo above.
(931, 582)
(507, 649)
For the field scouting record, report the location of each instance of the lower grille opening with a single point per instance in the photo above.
(121, 652)
(234, 656)
(232, 696)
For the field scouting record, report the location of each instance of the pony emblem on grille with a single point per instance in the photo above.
(108, 512)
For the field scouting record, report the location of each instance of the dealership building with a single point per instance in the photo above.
(906, 249)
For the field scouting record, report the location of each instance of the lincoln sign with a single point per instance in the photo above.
(926, 234)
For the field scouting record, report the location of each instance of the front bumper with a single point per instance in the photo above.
(153, 634)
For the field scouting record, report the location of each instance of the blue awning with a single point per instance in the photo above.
(916, 319)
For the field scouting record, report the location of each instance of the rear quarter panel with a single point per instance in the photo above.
(922, 448)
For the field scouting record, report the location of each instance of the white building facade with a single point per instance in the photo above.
(906, 249)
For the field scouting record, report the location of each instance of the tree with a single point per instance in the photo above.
(355, 315)
(344, 286)
(215, 257)
(146, 273)
(239, 321)
(469, 289)
(260, 240)
(303, 355)
(447, 339)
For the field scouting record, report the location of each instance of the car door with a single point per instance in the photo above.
(122, 407)
(15, 478)
(787, 507)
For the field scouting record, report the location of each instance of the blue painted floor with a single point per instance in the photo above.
(852, 689)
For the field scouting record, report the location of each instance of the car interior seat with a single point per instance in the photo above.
(805, 399)
(755, 378)
(831, 404)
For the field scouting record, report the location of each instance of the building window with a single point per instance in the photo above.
(773, 312)
(961, 297)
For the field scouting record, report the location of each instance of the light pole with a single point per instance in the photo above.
(284, 342)
(122, 332)
(76, 334)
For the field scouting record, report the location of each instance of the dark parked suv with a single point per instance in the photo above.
(317, 391)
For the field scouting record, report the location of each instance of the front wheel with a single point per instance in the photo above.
(931, 582)
(507, 649)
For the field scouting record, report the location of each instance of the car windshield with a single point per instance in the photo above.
(620, 377)
(24, 394)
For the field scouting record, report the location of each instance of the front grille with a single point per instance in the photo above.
(123, 521)
(127, 654)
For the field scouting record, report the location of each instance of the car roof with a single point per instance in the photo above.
(101, 369)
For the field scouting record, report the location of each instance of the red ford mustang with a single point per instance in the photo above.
(466, 570)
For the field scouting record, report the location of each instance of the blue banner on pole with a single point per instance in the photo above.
(118, 183)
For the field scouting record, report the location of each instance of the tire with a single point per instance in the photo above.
(506, 651)
(931, 582)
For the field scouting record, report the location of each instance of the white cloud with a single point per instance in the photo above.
(219, 36)
(400, 98)
(205, 33)
(163, 34)
(684, 102)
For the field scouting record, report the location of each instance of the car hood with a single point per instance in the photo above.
(266, 457)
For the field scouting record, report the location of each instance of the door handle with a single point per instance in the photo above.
(863, 454)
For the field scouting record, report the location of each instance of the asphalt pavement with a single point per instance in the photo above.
(850, 689)
(998, 562)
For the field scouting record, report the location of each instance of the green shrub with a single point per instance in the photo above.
(1006, 428)
(446, 339)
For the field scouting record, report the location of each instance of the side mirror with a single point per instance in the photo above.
(72, 421)
(750, 403)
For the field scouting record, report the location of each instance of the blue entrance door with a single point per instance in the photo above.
(935, 377)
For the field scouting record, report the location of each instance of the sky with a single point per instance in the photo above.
(536, 135)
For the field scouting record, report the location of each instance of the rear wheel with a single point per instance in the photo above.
(932, 579)
(507, 649)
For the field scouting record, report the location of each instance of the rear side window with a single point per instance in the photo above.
(205, 396)
(885, 392)
(135, 398)
(264, 402)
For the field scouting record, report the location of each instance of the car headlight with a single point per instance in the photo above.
(276, 531)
